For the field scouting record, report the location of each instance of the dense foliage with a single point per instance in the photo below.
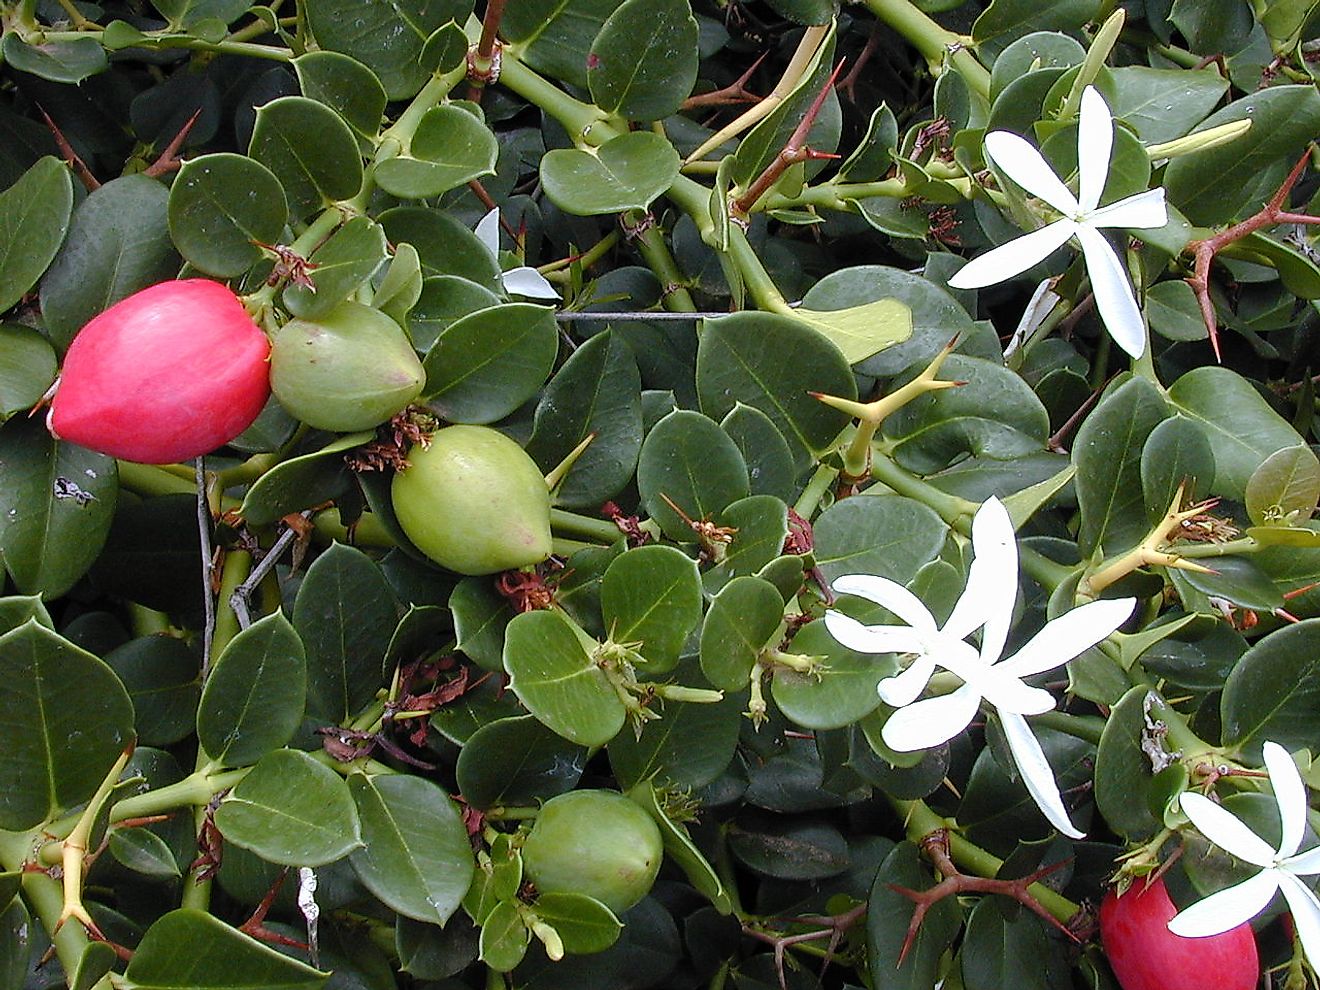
(663, 560)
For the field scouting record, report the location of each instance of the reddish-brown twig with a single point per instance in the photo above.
(735, 92)
(80, 169)
(837, 926)
(168, 161)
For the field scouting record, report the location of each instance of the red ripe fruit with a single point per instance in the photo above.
(167, 374)
(1145, 955)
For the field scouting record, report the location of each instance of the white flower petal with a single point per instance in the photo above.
(1225, 909)
(1113, 294)
(1143, 211)
(1289, 794)
(931, 722)
(488, 232)
(903, 689)
(1226, 830)
(1013, 258)
(1036, 773)
(1024, 165)
(992, 584)
(873, 639)
(1008, 694)
(1095, 143)
(1068, 635)
(888, 594)
(1303, 864)
(525, 281)
(1305, 912)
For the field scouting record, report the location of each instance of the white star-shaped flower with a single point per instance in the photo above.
(986, 603)
(1083, 217)
(1280, 868)
(520, 281)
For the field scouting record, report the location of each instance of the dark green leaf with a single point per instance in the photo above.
(59, 61)
(790, 849)
(840, 693)
(300, 482)
(741, 621)
(28, 370)
(555, 36)
(352, 255)
(160, 673)
(626, 172)
(346, 86)
(643, 62)
(689, 460)
(651, 597)
(1273, 691)
(517, 761)
(770, 467)
(34, 215)
(998, 951)
(286, 129)
(220, 206)
(450, 148)
(1175, 453)
(689, 747)
(887, 535)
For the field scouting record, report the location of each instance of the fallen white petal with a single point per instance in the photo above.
(525, 281)
(1289, 794)
(1226, 830)
(1143, 211)
(992, 585)
(1004, 262)
(1305, 911)
(1224, 910)
(1023, 164)
(1095, 143)
(890, 595)
(1113, 294)
(1068, 636)
(1036, 772)
(488, 232)
(873, 639)
(932, 721)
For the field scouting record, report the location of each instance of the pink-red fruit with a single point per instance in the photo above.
(168, 374)
(1145, 955)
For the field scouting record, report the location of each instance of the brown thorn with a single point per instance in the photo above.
(735, 92)
(849, 82)
(167, 161)
(70, 156)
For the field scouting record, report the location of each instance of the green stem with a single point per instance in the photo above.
(954, 510)
(760, 286)
(194, 791)
(1049, 574)
(238, 564)
(367, 532)
(43, 893)
(245, 49)
(572, 524)
(933, 42)
(815, 490)
(1085, 727)
(655, 252)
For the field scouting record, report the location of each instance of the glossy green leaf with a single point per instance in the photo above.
(1005, 21)
(480, 615)
(34, 216)
(291, 810)
(1038, 50)
(742, 619)
(1285, 487)
(220, 205)
(118, 243)
(651, 597)
(59, 61)
(346, 86)
(17, 609)
(643, 62)
(556, 35)
(450, 148)
(445, 299)
(759, 526)
(517, 761)
(415, 855)
(161, 676)
(56, 504)
(1273, 690)
(301, 482)
(1107, 455)
(143, 852)
(343, 263)
(770, 467)
(627, 172)
(484, 366)
(401, 285)
(740, 358)
(596, 392)
(443, 244)
(1173, 311)
(16, 933)
(285, 129)
(190, 948)
(28, 371)
(1122, 767)
(1242, 427)
(59, 759)
(1163, 104)
(1001, 951)
(584, 924)
(689, 747)
(254, 696)
(842, 692)
(558, 681)
(887, 535)
(344, 614)
(504, 938)
(789, 849)
(689, 460)
(1175, 453)
(874, 153)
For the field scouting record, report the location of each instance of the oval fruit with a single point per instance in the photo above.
(596, 843)
(474, 502)
(167, 374)
(349, 370)
(1145, 955)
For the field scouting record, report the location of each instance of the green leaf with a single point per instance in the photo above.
(1005, 21)
(16, 931)
(842, 692)
(504, 938)
(790, 849)
(56, 503)
(740, 358)
(555, 36)
(1237, 178)
(679, 848)
(34, 216)
(59, 61)
(346, 86)
(1163, 104)
(558, 681)
(998, 951)
(1175, 453)
(118, 243)
(301, 482)
(651, 596)
(416, 857)
(689, 460)
(643, 63)
(626, 172)
(517, 761)
(445, 299)
(480, 615)
(401, 285)
(741, 621)
(1107, 455)
(254, 697)
(143, 852)
(874, 153)
(16, 610)
(584, 924)
(291, 810)
(450, 148)
(444, 245)
(344, 614)
(1273, 691)
(351, 255)
(887, 535)
(285, 129)
(759, 524)
(28, 371)
(770, 467)
(1032, 52)
(160, 674)
(1242, 427)
(1285, 487)
(219, 206)
(190, 948)
(85, 722)
(690, 747)
(1174, 313)
(387, 36)
(486, 365)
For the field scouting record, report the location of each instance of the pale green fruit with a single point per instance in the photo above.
(349, 370)
(474, 502)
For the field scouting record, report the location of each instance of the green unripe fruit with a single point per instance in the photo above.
(596, 843)
(348, 370)
(474, 502)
